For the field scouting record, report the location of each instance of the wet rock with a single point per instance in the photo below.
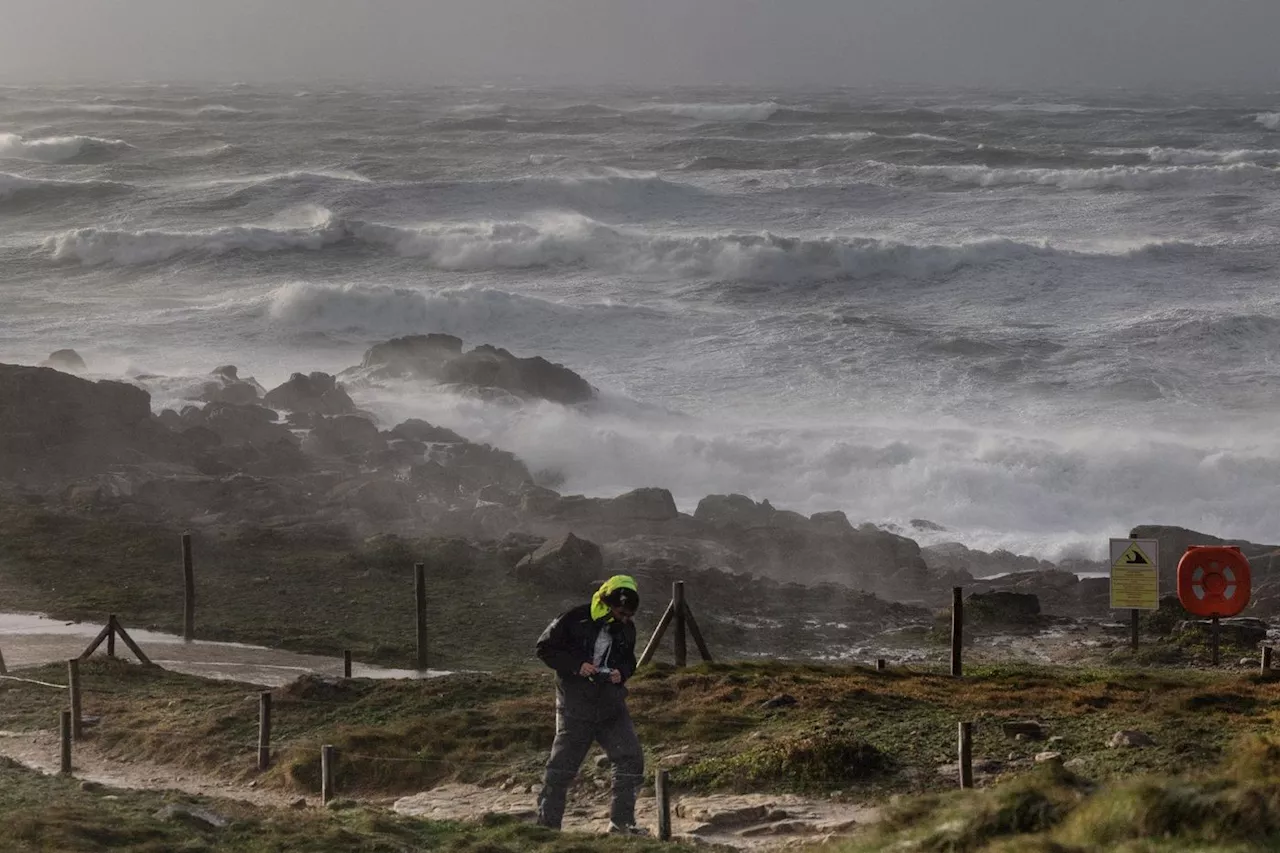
(564, 563)
(344, 436)
(315, 393)
(834, 522)
(1002, 608)
(67, 360)
(236, 425)
(226, 386)
(1130, 739)
(300, 803)
(378, 498)
(419, 430)
(742, 512)
(492, 367)
(647, 504)
(411, 357)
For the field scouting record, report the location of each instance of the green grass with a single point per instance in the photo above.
(44, 813)
(851, 729)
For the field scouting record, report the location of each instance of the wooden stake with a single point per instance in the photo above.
(1134, 615)
(264, 730)
(346, 663)
(881, 665)
(111, 636)
(97, 641)
(966, 755)
(697, 634)
(1214, 641)
(664, 806)
(188, 590)
(677, 602)
(4, 670)
(1266, 659)
(420, 596)
(128, 641)
(957, 631)
(73, 689)
(652, 645)
(326, 774)
(64, 732)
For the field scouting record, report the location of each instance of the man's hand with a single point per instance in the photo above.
(588, 669)
(615, 677)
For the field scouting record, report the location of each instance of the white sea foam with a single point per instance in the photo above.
(1271, 121)
(1110, 177)
(717, 112)
(1194, 156)
(55, 149)
(567, 241)
(13, 186)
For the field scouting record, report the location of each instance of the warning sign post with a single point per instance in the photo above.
(1135, 574)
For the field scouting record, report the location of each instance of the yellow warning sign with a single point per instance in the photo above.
(1133, 556)
(1135, 577)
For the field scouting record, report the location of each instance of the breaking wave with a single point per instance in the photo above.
(573, 241)
(1110, 177)
(19, 188)
(57, 149)
(1194, 156)
(717, 112)
(1271, 121)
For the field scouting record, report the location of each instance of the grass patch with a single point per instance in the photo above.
(43, 813)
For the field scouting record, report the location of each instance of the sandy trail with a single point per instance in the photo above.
(749, 822)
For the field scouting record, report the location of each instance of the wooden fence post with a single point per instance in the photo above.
(661, 789)
(346, 663)
(881, 665)
(264, 730)
(420, 596)
(111, 636)
(64, 731)
(677, 599)
(73, 690)
(1216, 628)
(957, 631)
(1266, 659)
(188, 590)
(4, 670)
(966, 755)
(326, 774)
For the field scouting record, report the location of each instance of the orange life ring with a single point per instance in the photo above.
(1214, 580)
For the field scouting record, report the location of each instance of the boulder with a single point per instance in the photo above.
(419, 430)
(412, 357)
(566, 563)
(226, 386)
(1002, 608)
(344, 436)
(478, 465)
(235, 424)
(492, 367)
(647, 504)
(66, 360)
(742, 512)
(53, 423)
(1130, 739)
(315, 393)
(1029, 729)
(380, 499)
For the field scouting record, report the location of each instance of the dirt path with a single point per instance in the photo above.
(747, 821)
(39, 751)
(750, 822)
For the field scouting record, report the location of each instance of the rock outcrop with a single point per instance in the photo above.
(312, 394)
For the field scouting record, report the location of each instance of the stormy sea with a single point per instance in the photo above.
(1033, 319)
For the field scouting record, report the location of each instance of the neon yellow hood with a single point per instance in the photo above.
(599, 609)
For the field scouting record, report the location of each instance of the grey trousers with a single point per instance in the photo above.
(574, 736)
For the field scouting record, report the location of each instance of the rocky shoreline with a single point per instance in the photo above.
(304, 461)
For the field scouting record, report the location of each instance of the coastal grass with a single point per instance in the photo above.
(1231, 806)
(42, 813)
(765, 726)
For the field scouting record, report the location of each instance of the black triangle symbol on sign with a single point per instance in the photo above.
(1134, 557)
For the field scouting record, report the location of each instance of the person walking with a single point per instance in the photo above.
(592, 648)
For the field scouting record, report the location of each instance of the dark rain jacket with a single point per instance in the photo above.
(568, 643)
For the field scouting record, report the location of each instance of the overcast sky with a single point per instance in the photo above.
(1012, 43)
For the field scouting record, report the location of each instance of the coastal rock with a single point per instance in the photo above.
(1002, 608)
(315, 393)
(419, 430)
(492, 367)
(378, 498)
(67, 360)
(345, 436)
(226, 386)
(235, 424)
(742, 512)
(1130, 739)
(567, 563)
(411, 357)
